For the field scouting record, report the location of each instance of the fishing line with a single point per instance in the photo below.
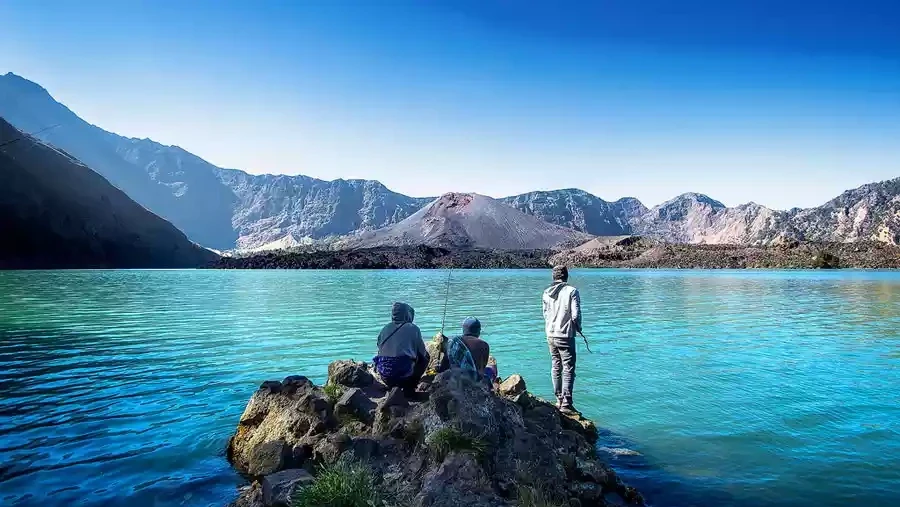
(446, 300)
(28, 135)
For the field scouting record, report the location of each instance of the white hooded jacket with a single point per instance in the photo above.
(562, 310)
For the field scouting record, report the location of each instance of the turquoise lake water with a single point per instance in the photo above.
(726, 388)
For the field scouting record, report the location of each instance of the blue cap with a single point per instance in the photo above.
(471, 327)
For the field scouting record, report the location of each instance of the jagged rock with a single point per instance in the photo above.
(279, 488)
(249, 496)
(512, 386)
(581, 424)
(464, 446)
(458, 481)
(350, 374)
(282, 418)
(329, 449)
(267, 457)
(353, 403)
(395, 398)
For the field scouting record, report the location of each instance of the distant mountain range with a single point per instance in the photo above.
(58, 213)
(227, 208)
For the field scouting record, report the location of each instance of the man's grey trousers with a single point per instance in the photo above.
(562, 357)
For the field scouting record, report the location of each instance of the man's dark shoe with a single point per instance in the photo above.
(569, 410)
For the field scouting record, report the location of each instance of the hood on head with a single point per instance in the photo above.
(471, 327)
(553, 290)
(402, 312)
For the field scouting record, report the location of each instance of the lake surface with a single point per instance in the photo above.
(716, 388)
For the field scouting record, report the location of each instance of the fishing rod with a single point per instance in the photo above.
(446, 300)
(28, 135)
(588, 347)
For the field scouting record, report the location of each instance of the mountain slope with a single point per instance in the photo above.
(219, 208)
(471, 221)
(579, 210)
(226, 208)
(58, 213)
(291, 208)
(696, 218)
(868, 213)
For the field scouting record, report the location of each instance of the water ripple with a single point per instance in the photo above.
(716, 388)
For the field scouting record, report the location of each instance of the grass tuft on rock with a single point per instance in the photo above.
(333, 392)
(531, 496)
(344, 484)
(446, 440)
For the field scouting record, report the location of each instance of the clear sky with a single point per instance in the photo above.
(785, 103)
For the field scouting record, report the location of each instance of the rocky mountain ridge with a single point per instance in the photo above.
(219, 208)
(580, 210)
(868, 213)
(230, 209)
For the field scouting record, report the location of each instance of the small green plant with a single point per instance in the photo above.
(344, 484)
(333, 392)
(531, 496)
(447, 440)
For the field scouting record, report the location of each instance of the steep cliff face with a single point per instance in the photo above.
(273, 207)
(216, 207)
(868, 213)
(58, 213)
(579, 210)
(696, 218)
(470, 221)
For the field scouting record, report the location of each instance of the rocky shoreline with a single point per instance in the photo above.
(354, 442)
(614, 252)
(411, 257)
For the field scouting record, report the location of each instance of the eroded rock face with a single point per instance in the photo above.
(464, 446)
(350, 374)
(512, 386)
(281, 424)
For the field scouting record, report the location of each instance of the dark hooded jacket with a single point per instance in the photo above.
(402, 338)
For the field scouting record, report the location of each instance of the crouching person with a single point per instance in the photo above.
(402, 357)
(471, 353)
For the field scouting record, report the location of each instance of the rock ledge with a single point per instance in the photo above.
(464, 445)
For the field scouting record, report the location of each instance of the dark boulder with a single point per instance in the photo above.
(280, 487)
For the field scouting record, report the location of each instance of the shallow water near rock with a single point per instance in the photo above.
(714, 388)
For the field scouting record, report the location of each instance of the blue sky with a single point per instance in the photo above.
(782, 103)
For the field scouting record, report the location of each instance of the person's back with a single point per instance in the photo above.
(469, 351)
(562, 319)
(479, 348)
(562, 312)
(402, 357)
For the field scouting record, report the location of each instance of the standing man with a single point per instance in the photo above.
(562, 319)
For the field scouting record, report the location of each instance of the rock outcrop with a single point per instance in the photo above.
(463, 445)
